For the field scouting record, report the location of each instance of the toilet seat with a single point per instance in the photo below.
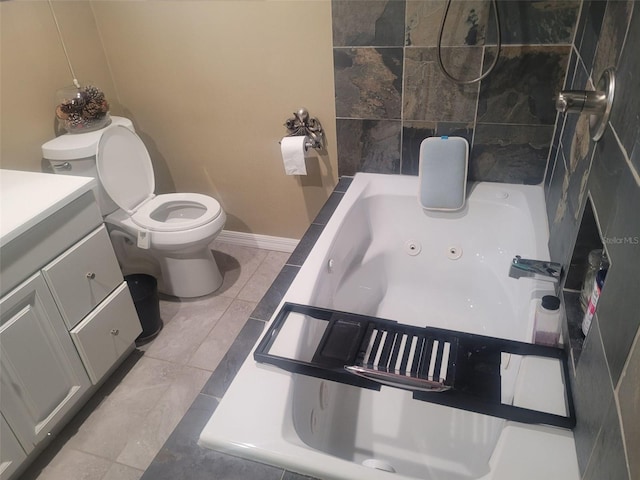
(144, 216)
(126, 173)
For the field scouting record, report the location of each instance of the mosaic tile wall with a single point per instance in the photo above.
(390, 94)
(606, 384)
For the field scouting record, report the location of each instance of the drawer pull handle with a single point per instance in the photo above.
(115, 331)
(91, 275)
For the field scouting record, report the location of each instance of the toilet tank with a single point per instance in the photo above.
(75, 154)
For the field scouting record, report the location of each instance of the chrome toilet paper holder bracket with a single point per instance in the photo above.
(303, 124)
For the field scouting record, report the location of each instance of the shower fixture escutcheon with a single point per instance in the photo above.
(597, 103)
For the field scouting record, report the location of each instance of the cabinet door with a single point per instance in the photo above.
(41, 374)
(11, 453)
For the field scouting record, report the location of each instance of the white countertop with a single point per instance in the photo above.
(27, 198)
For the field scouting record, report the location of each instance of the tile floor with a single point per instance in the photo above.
(121, 429)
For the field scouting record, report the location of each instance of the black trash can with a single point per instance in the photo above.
(144, 291)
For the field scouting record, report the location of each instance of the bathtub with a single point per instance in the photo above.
(382, 255)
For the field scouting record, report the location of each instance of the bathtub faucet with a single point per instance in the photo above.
(523, 267)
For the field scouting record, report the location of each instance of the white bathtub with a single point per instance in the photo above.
(382, 255)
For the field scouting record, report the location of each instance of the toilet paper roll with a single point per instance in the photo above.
(293, 153)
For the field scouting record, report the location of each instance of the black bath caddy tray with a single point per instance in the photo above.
(446, 367)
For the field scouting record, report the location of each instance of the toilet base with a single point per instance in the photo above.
(192, 275)
(188, 273)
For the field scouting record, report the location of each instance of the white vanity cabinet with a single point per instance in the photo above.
(11, 453)
(66, 314)
(42, 376)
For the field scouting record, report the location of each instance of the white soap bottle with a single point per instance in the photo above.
(546, 328)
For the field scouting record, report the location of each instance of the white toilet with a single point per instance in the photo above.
(166, 236)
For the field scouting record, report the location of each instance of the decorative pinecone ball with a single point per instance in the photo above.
(75, 120)
(82, 109)
(94, 109)
(62, 113)
(94, 93)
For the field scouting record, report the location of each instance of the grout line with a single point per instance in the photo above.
(625, 449)
(474, 122)
(199, 368)
(624, 41)
(635, 345)
(596, 324)
(78, 449)
(403, 90)
(553, 171)
(210, 396)
(577, 24)
(606, 360)
(634, 172)
(205, 337)
(489, 45)
(128, 466)
(545, 125)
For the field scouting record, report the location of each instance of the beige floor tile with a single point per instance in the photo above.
(150, 374)
(106, 431)
(169, 308)
(73, 464)
(237, 264)
(179, 339)
(262, 279)
(213, 348)
(107, 428)
(122, 472)
(146, 442)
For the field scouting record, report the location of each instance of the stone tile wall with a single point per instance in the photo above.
(390, 93)
(607, 373)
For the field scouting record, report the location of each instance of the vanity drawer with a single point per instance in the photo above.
(83, 276)
(107, 332)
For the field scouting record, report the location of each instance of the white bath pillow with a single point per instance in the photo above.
(443, 173)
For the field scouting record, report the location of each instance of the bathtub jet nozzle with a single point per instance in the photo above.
(542, 269)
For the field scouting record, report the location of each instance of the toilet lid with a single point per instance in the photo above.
(124, 168)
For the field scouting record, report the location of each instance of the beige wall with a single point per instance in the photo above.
(33, 67)
(208, 85)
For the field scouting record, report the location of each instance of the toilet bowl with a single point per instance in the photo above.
(166, 235)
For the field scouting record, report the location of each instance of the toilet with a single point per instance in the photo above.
(166, 235)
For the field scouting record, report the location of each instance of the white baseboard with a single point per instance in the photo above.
(266, 242)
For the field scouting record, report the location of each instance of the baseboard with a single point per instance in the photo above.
(266, 242)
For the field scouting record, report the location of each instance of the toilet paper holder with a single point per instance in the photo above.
(303, 124)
